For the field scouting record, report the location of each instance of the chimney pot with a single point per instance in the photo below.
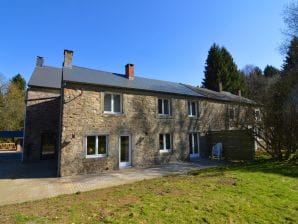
(220, 87)
(239, 92)
(39, 61)
(67, 58)
(129, 71)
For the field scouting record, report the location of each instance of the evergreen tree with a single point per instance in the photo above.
(19, 81)
(213, 68)
(291, 60)
(271, 71)
(220, 67)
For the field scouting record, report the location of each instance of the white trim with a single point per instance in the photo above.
(96, 155)
(163, 106)
(128, 163)
(193, 155)
(112, 103)
(165, 150)
(190, 108)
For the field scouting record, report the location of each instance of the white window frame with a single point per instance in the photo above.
(112, 103)
(234, 113)
(193, 144)
(163, 106)
(164, 143)
(96, 155)
(196, 108)
(256, 117)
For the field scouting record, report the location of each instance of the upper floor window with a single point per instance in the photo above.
(192, 108)
(112, 103)
(165, 142)
(164, 106)
(96, 146)
(232, 114)
(257, 115)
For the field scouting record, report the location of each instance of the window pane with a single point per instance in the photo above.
(161, 141)
(160, 106)
(117, 103)
(107, 102)
(168, 141)
(166, 107)
(231, 114)
(189, 109)
(91, 145)
(196, 146)
(102, 142)
(193, 107)
(124, 155)
(190, 143)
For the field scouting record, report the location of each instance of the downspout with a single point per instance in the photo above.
(24, 131)
(60, 124)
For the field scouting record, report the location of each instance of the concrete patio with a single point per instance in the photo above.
(16, 189)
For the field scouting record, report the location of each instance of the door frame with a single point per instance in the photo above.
(125, 164)
(194, 155)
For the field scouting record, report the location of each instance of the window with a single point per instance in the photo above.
(112, 103)
(192, 109)
(193, 144)
(96, 146)
(232, 114)
(257, 115)
(165, 142)
(163, 106)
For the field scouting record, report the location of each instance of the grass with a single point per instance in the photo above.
(259, 192)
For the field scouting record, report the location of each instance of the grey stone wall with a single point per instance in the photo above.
(42, 116)
(83, 115)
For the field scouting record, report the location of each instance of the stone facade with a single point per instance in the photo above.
(83, 115)
(42, 116)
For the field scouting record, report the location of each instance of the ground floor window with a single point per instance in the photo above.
(96, 146)
(165, 142)
(48, 145)
(193, 144)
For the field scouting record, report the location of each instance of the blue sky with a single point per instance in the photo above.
(166, 39)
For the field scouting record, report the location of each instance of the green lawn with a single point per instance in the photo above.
(260, 192)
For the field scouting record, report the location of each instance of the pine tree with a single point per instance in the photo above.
(220, 67)
(291, 61)
(270, 71)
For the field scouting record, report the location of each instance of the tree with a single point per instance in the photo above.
(19, 81)
(12, 103)
(290, 17)
(291, 60)
(220, 67)
(271, 71)
(257, 84)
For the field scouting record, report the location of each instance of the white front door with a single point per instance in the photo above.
(124, 151)
(193, 146)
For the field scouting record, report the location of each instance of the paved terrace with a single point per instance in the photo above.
(16, 186)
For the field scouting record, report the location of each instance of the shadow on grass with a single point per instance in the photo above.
(263, 165)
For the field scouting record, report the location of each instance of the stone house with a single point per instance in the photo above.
(92, 121)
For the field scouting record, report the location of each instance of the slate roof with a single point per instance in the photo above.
(50, 77)
(223, 95)
(46, 76)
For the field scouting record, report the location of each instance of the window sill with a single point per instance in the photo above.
(96, 156)
(192, 116)
(165, 150)
(112, 113)
(165, 116)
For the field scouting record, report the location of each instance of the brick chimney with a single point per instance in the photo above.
(220, 87)
(129, 71)
(239, 92)
(39, 61)
(67, 58)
